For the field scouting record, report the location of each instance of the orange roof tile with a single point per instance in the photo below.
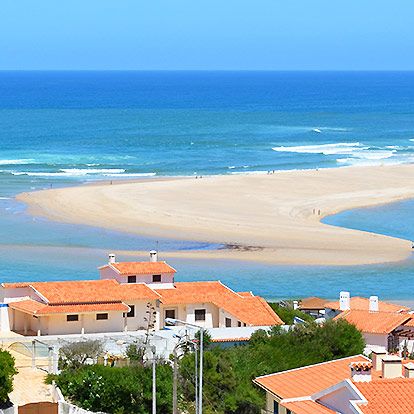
(252, 310)
(37, 308)
(358, 303)
(141, 268)
(313, 303)
(306, 381)
(387, 396)
(307, 407)
(92, 291)
(374, 322)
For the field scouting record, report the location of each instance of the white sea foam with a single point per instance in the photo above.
(130, 175)
(412, 139)
(326, 149)
(86, 171)
(17, 162)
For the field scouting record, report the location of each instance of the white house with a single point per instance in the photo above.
(129, 296)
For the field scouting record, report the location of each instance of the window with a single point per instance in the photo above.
(101, 316)
(239, 324)
(288, 412)
(170, 313)
(132, 279)
(200, 314)
(228, 323)
(156, 278)
(72, 318)
(275, 407)
(131, 313)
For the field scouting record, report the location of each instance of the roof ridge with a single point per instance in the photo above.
(314, 365)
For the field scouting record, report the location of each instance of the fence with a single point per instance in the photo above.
(64, 406)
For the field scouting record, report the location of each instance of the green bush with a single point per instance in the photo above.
(7, 372)
(287, 313)
(126, 390)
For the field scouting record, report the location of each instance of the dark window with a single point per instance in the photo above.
(156, 278)
(131, 313)
(72, 318)
(101, 316)
(170, 313)
(228, 323)
(132, 279)
(275, 407)
(288, 412)
(239, 324)
(200, 314)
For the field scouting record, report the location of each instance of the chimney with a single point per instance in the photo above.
(361, 371)
(377, 356)
(391, 366)
(295, 304)
(373, 304)
(344, 301)
(111, 258)
(153, 256)
(409, 370)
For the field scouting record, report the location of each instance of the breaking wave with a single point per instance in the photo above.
(325, 149)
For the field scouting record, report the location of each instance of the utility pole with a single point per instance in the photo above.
(154, 381)
(175, 380)
(200, 397)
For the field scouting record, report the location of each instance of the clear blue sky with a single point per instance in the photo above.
(207, 34)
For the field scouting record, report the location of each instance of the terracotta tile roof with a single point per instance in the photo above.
(15, 285)
(307, 407)
(230, 339)
(358, 303)
(252, 310)
(374, 322)
(387, 396)
(306, 381)
(312, 303)
(37, 308)
(141, 268)
(92, 291)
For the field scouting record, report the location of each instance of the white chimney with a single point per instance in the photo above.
(295, 304)
(361, 371)
(409, 370)
(111, 258)
(153, 256)
(344, 301)
(373, 304)
(377, 356)
(391, 366)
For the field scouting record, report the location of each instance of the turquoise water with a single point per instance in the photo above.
(65, 128)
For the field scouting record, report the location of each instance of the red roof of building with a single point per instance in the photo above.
(312, 303)
(307, 407)
(91, 291)
(306, 381)
(358, 303)
(374, 322)
(252, 310)
(141, 268)
(387, 396)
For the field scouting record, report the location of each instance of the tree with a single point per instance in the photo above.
(287, 313)
(7, 372)
(75, 354)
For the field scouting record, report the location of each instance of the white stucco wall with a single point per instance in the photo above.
(374, 341)
(339, 400)
(109, 273)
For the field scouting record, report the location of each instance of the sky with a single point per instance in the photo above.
(206, 35)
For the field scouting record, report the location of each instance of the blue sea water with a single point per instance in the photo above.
(63, 128)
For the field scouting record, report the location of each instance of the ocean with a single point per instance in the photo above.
(66, 128)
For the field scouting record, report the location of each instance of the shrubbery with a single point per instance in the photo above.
(7, 372)
(126, 390)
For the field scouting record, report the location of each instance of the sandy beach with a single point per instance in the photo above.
(271, 218)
